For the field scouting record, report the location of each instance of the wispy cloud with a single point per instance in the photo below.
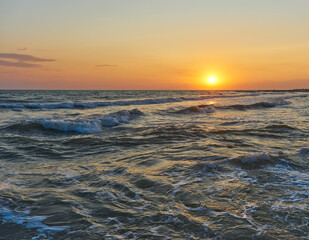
(21, 60)
(17, 64)
(106, 65)
(24, 57)
(22, 49)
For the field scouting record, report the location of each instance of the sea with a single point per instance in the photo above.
(154, 165)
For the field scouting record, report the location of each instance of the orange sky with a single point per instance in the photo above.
(170, 44)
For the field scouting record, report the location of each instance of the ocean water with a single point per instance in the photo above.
(154, 165)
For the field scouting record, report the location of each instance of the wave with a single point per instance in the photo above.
(183, 131)
(210, 108)
(24, 218)
(197, 109)
(259, 105)
(175, 132)
(259, 159)
(253, 159)
(87, 105)
(81, 105)
(304, 151)
(82, 125)
(273, 128)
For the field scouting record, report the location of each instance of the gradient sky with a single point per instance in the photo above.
(161, 44)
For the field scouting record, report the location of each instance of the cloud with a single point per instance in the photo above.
(17, 64)
(24, 57)
(21, 60)
(106, 65)
(22, 49)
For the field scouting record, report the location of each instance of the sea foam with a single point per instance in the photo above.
(23, 218)
(86, 125)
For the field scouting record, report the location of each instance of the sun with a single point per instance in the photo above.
(212, 80)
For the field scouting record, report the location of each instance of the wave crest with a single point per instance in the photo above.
(197, 109)
(84, 125)
(258, 105)
(242, 107)
(87, 105)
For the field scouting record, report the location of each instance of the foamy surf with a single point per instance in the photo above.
(23, 218)
(87, 124)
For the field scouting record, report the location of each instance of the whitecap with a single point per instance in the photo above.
(87, 124)
(23, 218)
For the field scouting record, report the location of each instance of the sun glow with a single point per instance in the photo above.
(211, 80)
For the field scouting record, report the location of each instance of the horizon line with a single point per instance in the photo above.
(295, 89)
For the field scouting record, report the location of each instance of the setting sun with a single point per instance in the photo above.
(212, 80)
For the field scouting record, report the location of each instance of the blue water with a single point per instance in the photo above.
(154, 165)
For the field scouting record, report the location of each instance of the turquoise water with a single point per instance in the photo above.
(154, 165)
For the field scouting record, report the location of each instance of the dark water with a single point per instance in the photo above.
(154, 165)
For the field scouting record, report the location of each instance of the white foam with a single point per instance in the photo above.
(23, 218)
(86, 125)
(40, 236)
(72, 126)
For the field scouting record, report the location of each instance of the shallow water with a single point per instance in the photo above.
(154, 165)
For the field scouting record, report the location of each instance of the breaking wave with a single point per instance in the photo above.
(23, 218)
(83, 125)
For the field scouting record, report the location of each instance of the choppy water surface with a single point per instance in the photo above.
(154, 165)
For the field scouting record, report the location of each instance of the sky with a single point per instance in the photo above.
(154, 44)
